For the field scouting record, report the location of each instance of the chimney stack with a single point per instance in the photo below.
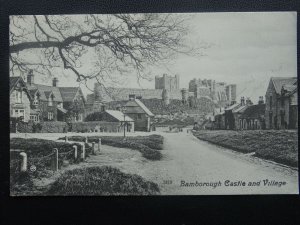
(30, 77)
(261, 100)
(55, 82)
(242, 101)
(132, 97)
(248, 101)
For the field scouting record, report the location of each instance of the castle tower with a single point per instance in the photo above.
(184, 95)
(166, 97)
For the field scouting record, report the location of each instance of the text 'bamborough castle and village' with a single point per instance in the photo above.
(204, 104)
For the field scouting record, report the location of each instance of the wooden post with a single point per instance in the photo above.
(66, 139)
(93, 148)
(23, 167)
(82, 153)
(75, 152)
(55, 159)
(86, 139)
(99, 145)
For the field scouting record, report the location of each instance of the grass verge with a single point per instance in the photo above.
(277, 145)
(104, 180)
(39, 155)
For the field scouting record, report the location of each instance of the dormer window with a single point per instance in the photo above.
(18, 96)
(36, 99)
(50, 100)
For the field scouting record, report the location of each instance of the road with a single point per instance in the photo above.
(189, 160)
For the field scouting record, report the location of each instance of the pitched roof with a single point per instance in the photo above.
(44, 88)
(240, 109)
(12, 82)
(278, 82)
(147, 111)
(233, 106)
(254, 111)
(68, 93)
(119, 115)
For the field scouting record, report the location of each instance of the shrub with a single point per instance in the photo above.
(101, 181)
(53, 127)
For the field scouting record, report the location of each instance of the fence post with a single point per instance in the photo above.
(23, 162)
(75, 152)
(55, 159)
(93, 148)
(66, 138)
(99, 145)
(86, 139)
(82, 156)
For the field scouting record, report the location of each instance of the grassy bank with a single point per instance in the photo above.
(39, 154)
(101, 181)
(149, 146)
(278, 145)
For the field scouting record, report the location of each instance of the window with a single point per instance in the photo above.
(50, 115)
(34, 118)
(282, 102)
(50, 101)
(36, 100)
(139, 116)
(19, 96)
(19, 113)
(271, 102)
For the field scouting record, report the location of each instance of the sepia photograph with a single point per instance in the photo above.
(153, 104)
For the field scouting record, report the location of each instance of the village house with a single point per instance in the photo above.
(39, 102)
(141, 115)
(282, 103)
(233, 113)
(20, 99)
(253, 117)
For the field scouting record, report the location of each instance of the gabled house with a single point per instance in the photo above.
(282, 103)
(39, 102)
(73, 106)
(20, 99)
(141, 115)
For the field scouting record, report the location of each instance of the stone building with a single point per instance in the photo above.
(253, 117)
(46, 102)
(20, 99)
(167, 82)
(282, 103)
(141, 115)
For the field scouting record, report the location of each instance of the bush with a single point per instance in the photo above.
(53, 127)
(147, 145)
(101, 181)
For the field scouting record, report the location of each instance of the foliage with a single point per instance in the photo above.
(96, 116)
(101, 181)
(112, 44)
(278, 145)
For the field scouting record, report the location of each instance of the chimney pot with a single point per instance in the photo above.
(55, 82)
(30, 77)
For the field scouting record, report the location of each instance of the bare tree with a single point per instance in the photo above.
(106, 44)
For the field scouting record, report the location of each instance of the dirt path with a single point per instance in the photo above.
(187, 159)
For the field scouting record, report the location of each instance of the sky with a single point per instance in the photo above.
(245, 49)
